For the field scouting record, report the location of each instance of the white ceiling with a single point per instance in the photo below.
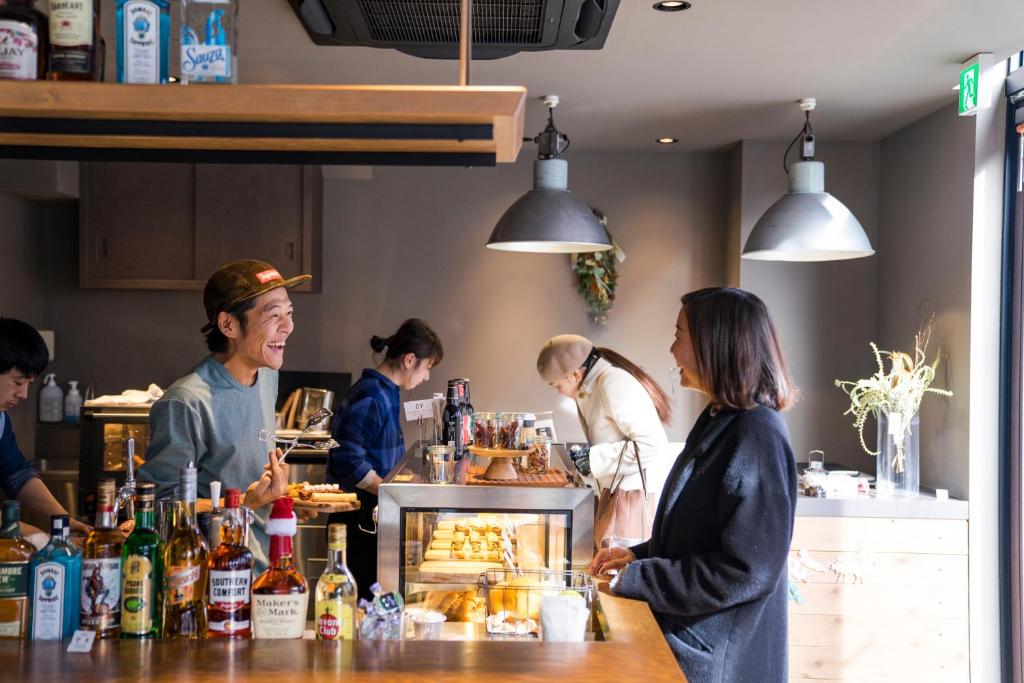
(722, 71)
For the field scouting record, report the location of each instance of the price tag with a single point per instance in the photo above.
(82, 641)
(414, 410)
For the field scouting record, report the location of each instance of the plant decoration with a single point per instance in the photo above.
(897, 394)
(596, 277)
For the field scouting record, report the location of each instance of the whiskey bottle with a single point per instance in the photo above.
(230, 566)
(336, 593)
(101, 568)
(280, 595)
(185, 557)
(56, 579)
(24, 41)
(143, 40)
(74, 40)
(15, 553)
(142, 558)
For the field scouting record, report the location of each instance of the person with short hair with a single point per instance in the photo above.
(23, 357)
(214, 415)
(714, 572)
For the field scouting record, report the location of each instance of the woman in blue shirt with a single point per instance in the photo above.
(369, 434)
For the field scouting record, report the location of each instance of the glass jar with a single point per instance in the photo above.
(485, 433)
(538, 455)
(439, 464)
(506, 427)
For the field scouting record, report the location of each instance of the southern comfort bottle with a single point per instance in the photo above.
(230, 566)
(142, 558)
(280, 595)
(185, 558)
(101, 568)
(15, 553)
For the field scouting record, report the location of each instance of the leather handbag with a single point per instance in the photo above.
(624, 518)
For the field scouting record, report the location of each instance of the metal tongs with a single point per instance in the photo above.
(312, 421)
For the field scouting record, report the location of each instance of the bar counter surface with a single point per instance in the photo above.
(635, 650)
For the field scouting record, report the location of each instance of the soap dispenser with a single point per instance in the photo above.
(51, 400)
(72, 403)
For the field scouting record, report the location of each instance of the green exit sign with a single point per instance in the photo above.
(969, 87)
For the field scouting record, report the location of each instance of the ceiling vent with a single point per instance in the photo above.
(430, 28)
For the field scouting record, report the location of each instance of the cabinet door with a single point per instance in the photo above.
(136, 225)
(258, 212)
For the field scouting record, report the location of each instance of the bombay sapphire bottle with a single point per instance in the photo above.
(143, 40)
(55, 580)
(209, 41)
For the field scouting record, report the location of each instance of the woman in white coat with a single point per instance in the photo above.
(617, 403)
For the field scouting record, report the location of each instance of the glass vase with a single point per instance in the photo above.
(898, 471)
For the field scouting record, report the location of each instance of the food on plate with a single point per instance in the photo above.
(319, 493)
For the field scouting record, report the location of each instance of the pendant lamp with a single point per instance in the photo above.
(807, 223)
(549, 219)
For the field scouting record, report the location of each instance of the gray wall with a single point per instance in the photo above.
(409, 242)
(924, 268)
(824, 312)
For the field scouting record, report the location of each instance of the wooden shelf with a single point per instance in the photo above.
(416, 125)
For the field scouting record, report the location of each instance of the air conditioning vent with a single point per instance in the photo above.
(430, 28)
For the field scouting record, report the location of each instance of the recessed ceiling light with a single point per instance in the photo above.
(667, 141)
(672, 6)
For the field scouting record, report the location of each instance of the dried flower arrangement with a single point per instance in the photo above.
(596, 276)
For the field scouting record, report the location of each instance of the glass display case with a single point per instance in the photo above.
(437, 540)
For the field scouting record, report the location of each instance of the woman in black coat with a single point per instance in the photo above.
(714, 570)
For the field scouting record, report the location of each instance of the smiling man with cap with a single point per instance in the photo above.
(213, 416)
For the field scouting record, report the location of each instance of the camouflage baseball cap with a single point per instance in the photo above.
(240, 281)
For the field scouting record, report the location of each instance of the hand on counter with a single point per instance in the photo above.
(609, 559)
(271, 486)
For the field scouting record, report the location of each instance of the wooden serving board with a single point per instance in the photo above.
(549, 479)
(325, 507)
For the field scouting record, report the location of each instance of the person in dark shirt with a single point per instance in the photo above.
(369, 434)
(23, 357)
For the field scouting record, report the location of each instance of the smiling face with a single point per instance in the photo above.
(569, 385)
(268, 326)
(13, 388)
(682, 351)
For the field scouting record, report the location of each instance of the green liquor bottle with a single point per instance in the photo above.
(142, 577)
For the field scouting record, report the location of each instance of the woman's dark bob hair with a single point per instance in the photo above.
(737, 350)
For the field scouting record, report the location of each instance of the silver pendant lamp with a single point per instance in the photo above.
(807, 224)
(549, 219)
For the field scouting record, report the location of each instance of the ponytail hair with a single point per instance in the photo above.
(413, 336)
(662, 404)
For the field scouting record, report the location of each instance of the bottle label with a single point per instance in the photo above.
(137, 596)
(101, 593)
(229, 595)
(141, 42)
(48, 601)
(334, 620)
(279, 616)
(71, 22)
(181, 585)
(13, 579)
(72, 62)
(19, 51)
(205, 62)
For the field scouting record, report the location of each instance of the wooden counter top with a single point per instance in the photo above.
(635, 650)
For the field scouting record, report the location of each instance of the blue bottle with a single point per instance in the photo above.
(143, 40)
(55, 580)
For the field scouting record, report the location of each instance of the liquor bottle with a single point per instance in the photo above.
(451, 418)
(24, 41)
(142, 558)
(467, 412)
(15, 553)
(74, 40)
(209, 41)
(101, 568)
(336, 592)
(56, 579)
(230, 606)
(280, 595)
(143, 40)
(185, 557)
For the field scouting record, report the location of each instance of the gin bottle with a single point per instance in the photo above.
(143, 40)
(209, 41)
(55, 579)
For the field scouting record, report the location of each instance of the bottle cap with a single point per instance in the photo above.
(59, 524)
(189, 476)
(12, 511)
(336, 534)
(233, 499)
(105, 495)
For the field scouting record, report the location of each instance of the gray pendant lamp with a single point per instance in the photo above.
(807, 224)
(549, 219)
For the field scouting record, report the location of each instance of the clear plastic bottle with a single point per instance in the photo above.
(209, 41)
(51, 400)
(72, 403)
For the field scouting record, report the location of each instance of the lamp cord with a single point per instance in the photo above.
(806, 130)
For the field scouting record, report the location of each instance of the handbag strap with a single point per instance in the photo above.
(618, 467)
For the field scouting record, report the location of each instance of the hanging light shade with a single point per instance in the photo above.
(549, 219)
(807, 223)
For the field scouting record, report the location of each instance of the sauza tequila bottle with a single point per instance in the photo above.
(209, 41)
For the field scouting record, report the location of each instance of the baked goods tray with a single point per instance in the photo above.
(324, 507)
(551, 479)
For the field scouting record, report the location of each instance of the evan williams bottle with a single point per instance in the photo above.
(101, 569)
(74, 40)
(230, 575)
(185, 556)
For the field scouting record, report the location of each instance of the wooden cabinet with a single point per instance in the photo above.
(169, 226)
